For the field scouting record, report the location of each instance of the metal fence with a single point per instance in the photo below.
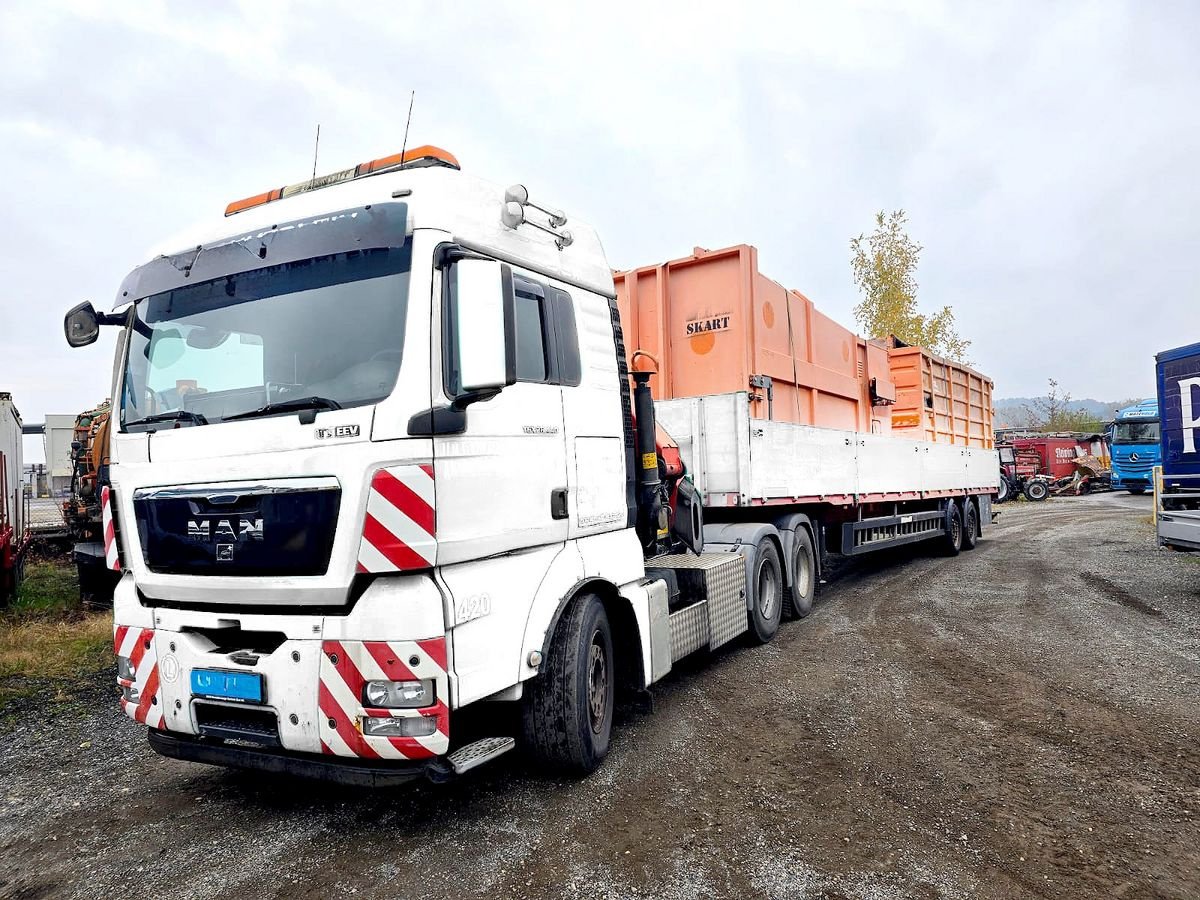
(44, 515)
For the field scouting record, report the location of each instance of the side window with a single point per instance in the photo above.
(531, 333)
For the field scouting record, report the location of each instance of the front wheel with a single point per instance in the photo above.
(568, 714)
(1036, 490)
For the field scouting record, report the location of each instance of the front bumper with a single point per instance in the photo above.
(357, 773)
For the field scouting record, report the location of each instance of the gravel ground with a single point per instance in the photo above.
(1019, 721)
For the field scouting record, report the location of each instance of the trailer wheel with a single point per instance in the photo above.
(568, 715)
(766, 585)
(1004, 492)
(970, 524)
(1036, 490)
(952, 541)
(799, 595)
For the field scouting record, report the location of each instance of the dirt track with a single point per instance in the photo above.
(1020, 721)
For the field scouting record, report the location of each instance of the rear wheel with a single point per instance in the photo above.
(1036, 490)
(798, 598)
(952, 542)
(1005, 491)
(767, 584)
(568, 713)
(970, 525)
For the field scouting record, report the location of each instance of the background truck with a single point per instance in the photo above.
(390, 491)
(14, 519)
(1135, 446)
(1178, 493)
(88, 466)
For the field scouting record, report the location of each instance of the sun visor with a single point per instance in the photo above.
(360, 228)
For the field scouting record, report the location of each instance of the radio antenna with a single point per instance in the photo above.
(316, 147)
(404, 146)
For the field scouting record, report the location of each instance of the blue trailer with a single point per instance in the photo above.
(1135, 447)
(1178, 513)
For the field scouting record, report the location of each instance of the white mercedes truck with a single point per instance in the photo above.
(377, 466)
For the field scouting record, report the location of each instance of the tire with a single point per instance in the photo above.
(799, 595)
(766, 586)
(568, 715)
(1004, 492)
(970, 525)
(1036, 490)
(1137, 490)
(952, 540)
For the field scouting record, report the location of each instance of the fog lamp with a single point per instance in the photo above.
(391, 726)
(399, 694)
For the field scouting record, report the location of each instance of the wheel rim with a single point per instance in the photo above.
(956, 530)
(768, 590)
(597, 684)
(803, 575)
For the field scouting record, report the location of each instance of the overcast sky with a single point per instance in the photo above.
(1046, 153)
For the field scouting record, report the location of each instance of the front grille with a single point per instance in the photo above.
(249, 724)
(285, 528)
(1125, 467)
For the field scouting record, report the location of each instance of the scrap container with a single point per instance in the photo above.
(717, 325)
(938, 399)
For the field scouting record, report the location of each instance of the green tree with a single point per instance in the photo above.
(1054, 413)
(884, 265)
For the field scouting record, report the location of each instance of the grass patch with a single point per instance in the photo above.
(46, 640)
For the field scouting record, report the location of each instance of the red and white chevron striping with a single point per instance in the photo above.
(399, 531)
(346, 666)
(112, 553)
(137, 645)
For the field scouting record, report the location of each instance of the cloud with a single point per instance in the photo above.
(1045, 153)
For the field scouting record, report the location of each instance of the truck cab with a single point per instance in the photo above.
(1135, 447)
(368, 442)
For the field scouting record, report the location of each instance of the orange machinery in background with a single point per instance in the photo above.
(718, 325)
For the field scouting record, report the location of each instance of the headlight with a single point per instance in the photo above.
(399, 694)
(125, 669)
(389, 726)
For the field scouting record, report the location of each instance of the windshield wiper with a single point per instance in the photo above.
(175, 415)
(299, 404)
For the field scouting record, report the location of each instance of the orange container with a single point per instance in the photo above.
(717, 325)
(939, 400)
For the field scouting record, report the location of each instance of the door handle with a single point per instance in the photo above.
(558, 503)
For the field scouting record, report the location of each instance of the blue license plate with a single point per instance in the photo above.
(247, 686)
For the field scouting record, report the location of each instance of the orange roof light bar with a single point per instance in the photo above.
(427, 155)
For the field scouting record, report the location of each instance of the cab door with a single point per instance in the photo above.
(501, 483)
(502, 513)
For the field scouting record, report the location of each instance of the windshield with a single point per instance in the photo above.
(1136, 433)
(329, 328)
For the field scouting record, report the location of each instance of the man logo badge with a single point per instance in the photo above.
(224, 552)
(338, 431)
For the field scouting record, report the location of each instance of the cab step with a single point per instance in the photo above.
(464, 759)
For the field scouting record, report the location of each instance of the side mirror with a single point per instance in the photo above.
(82, 325)
(483, 313)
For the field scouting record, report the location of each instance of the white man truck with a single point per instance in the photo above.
(377, 463)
